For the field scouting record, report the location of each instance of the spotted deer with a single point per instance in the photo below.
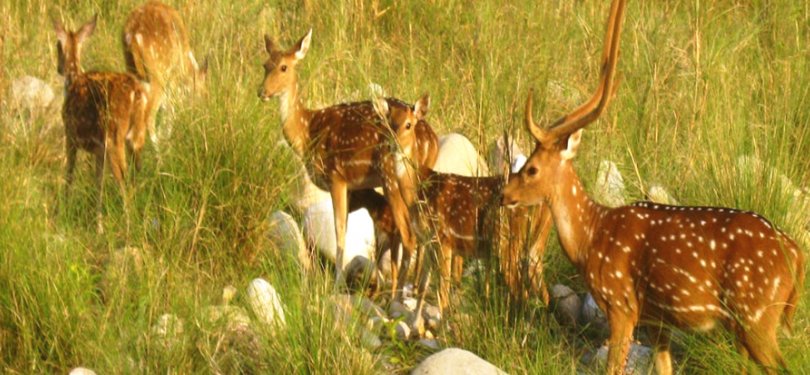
(157, 50)
(102, 111)
(658, 266)
(348, 147)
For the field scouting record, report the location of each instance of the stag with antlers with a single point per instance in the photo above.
(659, 266)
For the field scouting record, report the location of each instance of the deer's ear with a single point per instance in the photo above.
(420, 109)
(269, 46)
(87, 29)
(61, 35)
(381, 106)
(573, 144)
(302, 46)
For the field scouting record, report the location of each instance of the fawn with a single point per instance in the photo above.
(348, 147)
(102, 110)
(663, 267)
(156, 50)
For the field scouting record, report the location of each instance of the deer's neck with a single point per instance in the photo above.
(576, 216)
(295, 120)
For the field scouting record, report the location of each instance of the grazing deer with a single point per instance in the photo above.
(102, 110)
(661, 266)
(348, 146)
(156, 50)
(465, 212)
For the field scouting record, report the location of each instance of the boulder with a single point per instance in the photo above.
(609, 187)
(266, 303)
(639, 359)
(81, 371)
(455, 361)
(284, 235)
(566, 303)
(458, 155)
(319, 230)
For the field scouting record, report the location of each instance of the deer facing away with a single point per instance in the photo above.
(349, 146)
(156, 50)
(102, 112)
(662, 267)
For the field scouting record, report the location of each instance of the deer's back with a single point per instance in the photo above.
(724, 262)
(155, 36)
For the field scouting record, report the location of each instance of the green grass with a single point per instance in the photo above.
(702, 84)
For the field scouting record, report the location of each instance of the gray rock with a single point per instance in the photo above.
(266, 303)
(431, 344)
(590, 310)
(403, 331)
(639, 359)
(399, 310)
(285, 235)
(81, 371)
(567, 304)
(370, 340)
(455, 361)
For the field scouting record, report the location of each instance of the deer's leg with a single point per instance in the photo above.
(101, 156)
(155, 97)
(660, 337)
(339, 191)
(138, 130)
(402, 219)
(621, 335)
(418, 322)
(759, 340)
(71, 149)
(458, 268)
(445, 277)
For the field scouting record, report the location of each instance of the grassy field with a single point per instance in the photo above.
(703, 83)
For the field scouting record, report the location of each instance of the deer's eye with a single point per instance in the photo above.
(532, 171)
(284, 68)
(407, 125)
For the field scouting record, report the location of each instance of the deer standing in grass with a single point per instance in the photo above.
(659, 266)
(102, 111)
(156, 50)
(350, 146)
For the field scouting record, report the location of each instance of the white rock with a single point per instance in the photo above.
(454, 361)
(30, 93)
(458, 155)
(82, 371)
(319, 230)
(410, 302)
(659, 194)
(284, 234)
(265, 303)
(168, 325)
(432, 312)
(609, 189)
(639, 359)
(590, 310)
(503, 154)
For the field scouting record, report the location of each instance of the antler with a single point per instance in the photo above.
(589, 111)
